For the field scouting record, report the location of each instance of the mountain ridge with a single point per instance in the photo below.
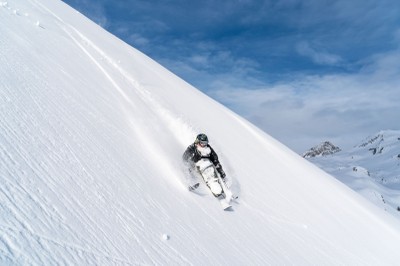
(375, 163)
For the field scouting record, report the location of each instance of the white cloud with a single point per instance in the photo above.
(138, 40)
(321, 58)
(96, 12)
(199, 59)
(342, 108)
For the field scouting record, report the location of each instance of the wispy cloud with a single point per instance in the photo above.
(318, 57)
(96, 12)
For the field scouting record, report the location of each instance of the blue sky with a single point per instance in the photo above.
(303, 71)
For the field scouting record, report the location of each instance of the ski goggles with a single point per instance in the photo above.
(203, 143)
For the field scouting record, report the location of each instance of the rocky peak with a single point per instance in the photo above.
(323, 149)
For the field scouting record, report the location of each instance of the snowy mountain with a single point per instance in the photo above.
(372, 168)
(323, 149)
(92, 133)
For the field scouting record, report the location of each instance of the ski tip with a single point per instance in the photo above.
(228, 208)
(191, 188)
(225, 205)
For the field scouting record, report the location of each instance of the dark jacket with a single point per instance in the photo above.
(192, 156)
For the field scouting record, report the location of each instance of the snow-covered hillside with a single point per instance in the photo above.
(92, 133)
(371, 168)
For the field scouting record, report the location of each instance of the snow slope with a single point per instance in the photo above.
(92, 132)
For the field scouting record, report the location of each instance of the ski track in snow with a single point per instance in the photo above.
(170, 121)
(37, 170)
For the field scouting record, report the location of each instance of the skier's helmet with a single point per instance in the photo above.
(201, 139)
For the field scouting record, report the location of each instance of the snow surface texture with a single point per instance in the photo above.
(371, 168)
(92, 133)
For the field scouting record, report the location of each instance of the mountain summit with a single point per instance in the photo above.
(323, 149)
(91, 137)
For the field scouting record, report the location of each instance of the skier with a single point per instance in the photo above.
(201, 149)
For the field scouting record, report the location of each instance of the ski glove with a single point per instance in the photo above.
(220, 171)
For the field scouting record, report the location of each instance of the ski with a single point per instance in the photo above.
(228, 193)
(193, 187)
(226, 206)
